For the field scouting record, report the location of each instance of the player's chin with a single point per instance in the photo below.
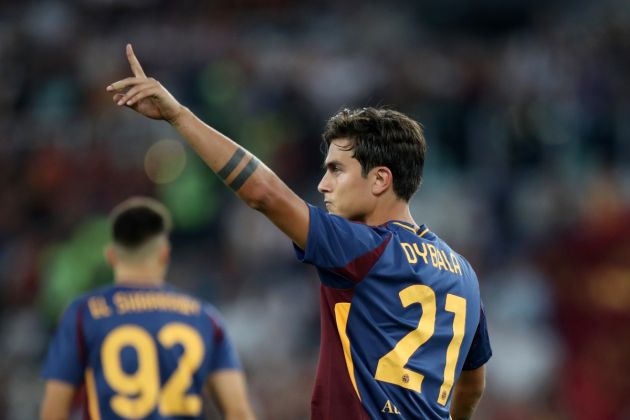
(336, 212)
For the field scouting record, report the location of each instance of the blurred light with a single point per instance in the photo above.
(165, 161)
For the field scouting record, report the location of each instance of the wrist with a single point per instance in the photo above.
(178, 116)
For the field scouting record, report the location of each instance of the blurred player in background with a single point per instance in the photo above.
(403, 332)
(144, 349)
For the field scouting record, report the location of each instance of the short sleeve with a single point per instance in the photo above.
(480, 350)
(224, 354)
(347, 248)
(65, 361)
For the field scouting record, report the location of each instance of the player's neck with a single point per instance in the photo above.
(139, 275)
(393, 210)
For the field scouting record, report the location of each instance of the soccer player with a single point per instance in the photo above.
(403, 331)
(143, 349)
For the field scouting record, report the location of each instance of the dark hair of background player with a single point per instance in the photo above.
(136, 221)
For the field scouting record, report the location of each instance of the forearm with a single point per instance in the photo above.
(225, 157)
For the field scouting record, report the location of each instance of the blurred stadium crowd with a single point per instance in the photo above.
(526, 106)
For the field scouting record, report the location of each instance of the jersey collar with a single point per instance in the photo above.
(421, 230)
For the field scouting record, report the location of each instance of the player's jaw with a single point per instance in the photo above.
(343, 208)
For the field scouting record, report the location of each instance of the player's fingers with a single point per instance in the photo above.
(136, 68)
(124, 83)
(134, 90)
(117, 97)
(128, 82)
(150, 91)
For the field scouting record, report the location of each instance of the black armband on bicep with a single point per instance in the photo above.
(244, 174)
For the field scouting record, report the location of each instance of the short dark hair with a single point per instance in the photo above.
(382, 137)
(137, 220)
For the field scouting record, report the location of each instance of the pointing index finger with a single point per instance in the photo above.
(136, 68)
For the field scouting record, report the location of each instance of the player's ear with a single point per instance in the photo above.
(165, 253)
(110, 255)
(383, 179)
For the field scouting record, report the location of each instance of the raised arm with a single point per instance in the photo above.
(252, 181)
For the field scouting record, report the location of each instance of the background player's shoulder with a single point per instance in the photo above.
(215, 320)
(169, 288)
(212, 312)
(207, 309)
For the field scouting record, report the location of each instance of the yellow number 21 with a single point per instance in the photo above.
(391, 367)
(139, 393)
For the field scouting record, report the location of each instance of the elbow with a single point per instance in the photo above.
(476, 392)
(476, 395)
(473, 395)
(257, 195)
(465, 402)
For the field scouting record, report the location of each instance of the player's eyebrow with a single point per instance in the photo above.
(332, 164)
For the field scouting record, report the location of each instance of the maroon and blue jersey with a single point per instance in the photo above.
(401, 316)
(141, 352)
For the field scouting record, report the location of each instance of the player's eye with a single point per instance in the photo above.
(331, 168)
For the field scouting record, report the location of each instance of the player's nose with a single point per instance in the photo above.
(324, 184)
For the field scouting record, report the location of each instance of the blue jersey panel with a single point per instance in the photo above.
(65, 357)
(407, 321)
(142, 352)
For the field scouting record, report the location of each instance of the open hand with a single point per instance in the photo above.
(143, 94)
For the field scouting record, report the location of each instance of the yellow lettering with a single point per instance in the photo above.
(455, 263)
(132, 304)
(118, 303)
(411, 256)
(445, 260)
(388, 408)
(422, 254)
(98, 307)
(141, 301)
(93, 307)
(433, 253)
(152, 301)
(440, 260)
(149, 301)
(163, 303)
